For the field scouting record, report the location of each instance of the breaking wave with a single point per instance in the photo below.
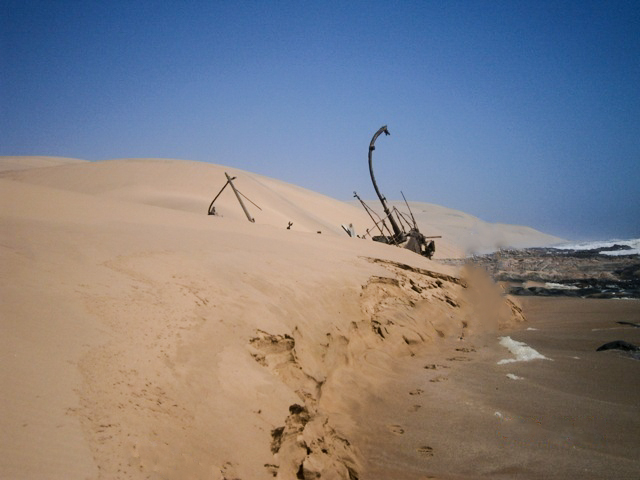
(628, 247)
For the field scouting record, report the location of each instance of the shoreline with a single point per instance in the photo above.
(565, 273)
(453, 413)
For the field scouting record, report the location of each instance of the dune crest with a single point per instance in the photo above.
(13, 163)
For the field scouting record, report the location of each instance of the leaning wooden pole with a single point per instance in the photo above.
(246, 212)
(212, 210)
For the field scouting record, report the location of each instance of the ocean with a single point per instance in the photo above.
(607, 247)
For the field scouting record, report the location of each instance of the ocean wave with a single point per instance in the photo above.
(633, 244)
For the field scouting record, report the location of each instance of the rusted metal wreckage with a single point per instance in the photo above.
(409, 237)
(396, 235)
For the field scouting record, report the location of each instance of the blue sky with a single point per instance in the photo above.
(523, 112)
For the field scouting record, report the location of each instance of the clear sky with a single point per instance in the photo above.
(523, 112)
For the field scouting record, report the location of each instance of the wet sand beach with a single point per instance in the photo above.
(453, 413)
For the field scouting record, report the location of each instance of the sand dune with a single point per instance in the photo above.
(143, 338)
(27, 163)
(190, 186)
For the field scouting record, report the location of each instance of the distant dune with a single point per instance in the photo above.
(471, 234)
(190, 186)
(142, 338)
(25, 163)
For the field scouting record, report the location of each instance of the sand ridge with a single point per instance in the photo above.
(191, 186)
(14, 163)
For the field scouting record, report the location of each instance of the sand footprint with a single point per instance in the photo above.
(425, 451)
(414, 408)
(465, 349)
(417, 391)
(459, 359)
(396, 429)
(435, 366)
(439, 378)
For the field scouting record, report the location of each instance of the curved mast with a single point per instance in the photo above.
(396, 230)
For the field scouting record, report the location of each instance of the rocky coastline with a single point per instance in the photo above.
(563, 272)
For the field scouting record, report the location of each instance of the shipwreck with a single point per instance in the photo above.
(395, 227)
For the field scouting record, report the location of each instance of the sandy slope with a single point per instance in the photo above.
(142, 338)
(190, 186)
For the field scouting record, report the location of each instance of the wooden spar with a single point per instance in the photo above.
(370, 212)
(212, 210)
(246, 212)
(402, 218)
(415, 225)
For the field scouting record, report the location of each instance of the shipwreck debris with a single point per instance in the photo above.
(349, 230)
(212, 209)
(396, 235)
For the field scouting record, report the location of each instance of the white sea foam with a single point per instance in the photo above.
(513, 376)
(522, 351)
(501, 416)
(560, 286)
(634, 243)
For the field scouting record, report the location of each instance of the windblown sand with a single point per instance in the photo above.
(142, 338)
